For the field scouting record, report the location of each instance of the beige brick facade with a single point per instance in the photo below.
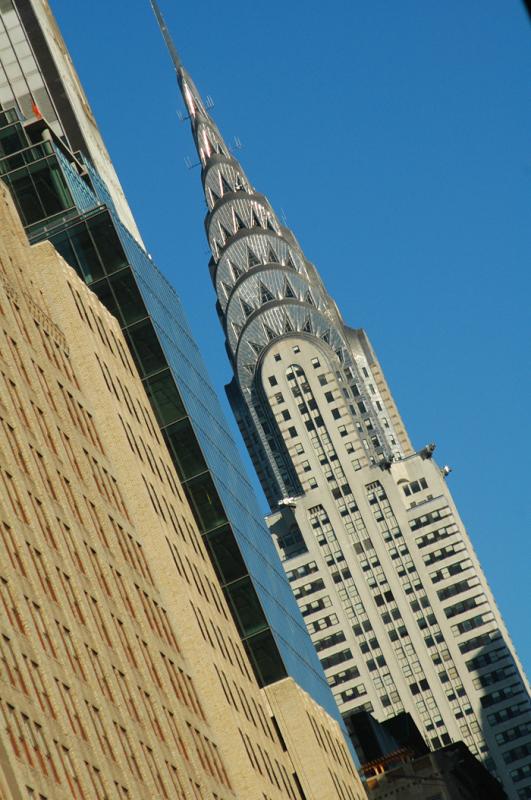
(123, 675)
(317, 747)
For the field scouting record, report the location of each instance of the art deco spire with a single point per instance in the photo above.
(265, 286)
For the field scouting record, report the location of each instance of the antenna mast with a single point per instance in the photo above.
(177, 63)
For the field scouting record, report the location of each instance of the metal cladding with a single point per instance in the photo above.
(266, 290)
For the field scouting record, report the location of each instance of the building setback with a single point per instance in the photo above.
(38, 77)
(123, 674)
(385, 575)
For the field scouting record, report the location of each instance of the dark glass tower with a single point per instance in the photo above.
(385, 575)
(62, 197)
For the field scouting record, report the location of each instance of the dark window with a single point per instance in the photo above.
(249, 613)
(77, 247)
(183, 444)
(205, 502)
(40, 191)
(109, 246)
(145, 348)
(89, 264)
(264, 657)
(106, 295)
(226, 555)
(129, 299)
(11, 140)
(164, 398)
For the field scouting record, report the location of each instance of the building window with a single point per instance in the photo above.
(273, 381)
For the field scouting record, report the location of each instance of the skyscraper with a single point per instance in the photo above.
(385, 575)
(60, 195)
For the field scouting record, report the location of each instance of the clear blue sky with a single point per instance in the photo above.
(396, 139)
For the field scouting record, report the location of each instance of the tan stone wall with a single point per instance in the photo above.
(192, 600)
(110, 599)
(85, 710)
(322, 761)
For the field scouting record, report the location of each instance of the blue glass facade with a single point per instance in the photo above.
(85, 228)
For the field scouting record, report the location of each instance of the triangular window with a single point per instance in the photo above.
(288, 327)
(225, 233)
(270, 333)
(265, 294)
(326, 336)
(214, 196)
(239, 222)
(288, 291)
(255, 221)
(250, 368)
(307, 327)
(252, 259)
(247, 309)
(290, 262)
(256, 347)
(236, 271)
(237, 328)
(226, 288)
(339, 354)
(270, 225)
(225, 185)
(273, 258)
(309, 298)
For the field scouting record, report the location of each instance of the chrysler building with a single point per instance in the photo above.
(385, 575)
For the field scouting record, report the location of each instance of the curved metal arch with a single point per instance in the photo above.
(274, 316)
(244, 205)
(249, 197)
(273, 279)
(259, 241)
(212, 183)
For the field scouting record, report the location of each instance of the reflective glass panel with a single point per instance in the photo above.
(165, 398)
(146, 348)
(205, 502)
(182, 441)
(226, 555)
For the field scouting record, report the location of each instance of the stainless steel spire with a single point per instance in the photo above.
(167, 36)
(397, 600)
(267, 290)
